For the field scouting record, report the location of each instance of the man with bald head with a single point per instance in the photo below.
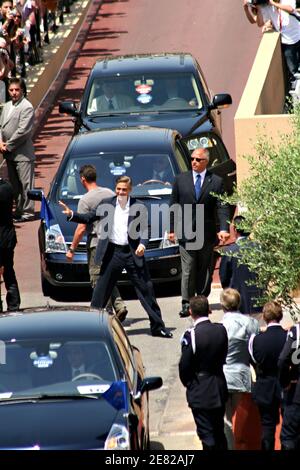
(191, 189)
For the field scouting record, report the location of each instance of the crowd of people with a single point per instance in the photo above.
(24, 31)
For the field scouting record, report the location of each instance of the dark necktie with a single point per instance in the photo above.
(110, 104)
(198, 186)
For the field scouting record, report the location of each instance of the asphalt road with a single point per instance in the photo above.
(218, 35)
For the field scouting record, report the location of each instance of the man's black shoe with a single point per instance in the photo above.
(162, 333)
(184, 312)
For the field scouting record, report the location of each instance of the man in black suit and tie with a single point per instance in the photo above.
(204, 351)
(122, 240)
(191, 189)
(264, 350)
(237, 275)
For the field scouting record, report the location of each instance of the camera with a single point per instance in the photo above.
(253, 3)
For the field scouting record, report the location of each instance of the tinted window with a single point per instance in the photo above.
(124, 348)
(141, 167)
(41, 363)
(144, 92)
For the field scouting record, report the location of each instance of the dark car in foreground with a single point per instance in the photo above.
(44, 405)
(165, 90)
(141, 153)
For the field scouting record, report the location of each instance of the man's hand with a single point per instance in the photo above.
(66, 209)
(140, 250)
(223, 236)
(69, 256)
(3, 147)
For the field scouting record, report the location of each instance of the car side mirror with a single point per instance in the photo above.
(220, 101)
(68, 107)
(35, 194)
(151, 383)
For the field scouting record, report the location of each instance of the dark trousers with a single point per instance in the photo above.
(290, 430)
(114, 261)
(10, 281)
(291, 54)
(269, 416)
(210, 427)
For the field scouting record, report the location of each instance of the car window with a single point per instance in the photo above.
(141, 167)
(36, 364)
(181, 158)
(125, 351)
(217, 150)
(143, 92)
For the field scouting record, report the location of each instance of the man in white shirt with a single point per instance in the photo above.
(280, 13)
(110, 100)
(121, 244)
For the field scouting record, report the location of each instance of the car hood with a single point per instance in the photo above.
(181, 121)
(59, 424)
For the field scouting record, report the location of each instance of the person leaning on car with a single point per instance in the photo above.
(190, 189)
(203, 354)
(122, 245)
(8, 242)
(89, 201)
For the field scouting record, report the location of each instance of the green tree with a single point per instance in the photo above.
(270, 198)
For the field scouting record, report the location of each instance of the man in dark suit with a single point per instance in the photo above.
(192, 191)
(122, 240)
(264, 350)
(204, 350)
(8, 242)
(289, 376)
(237, 275)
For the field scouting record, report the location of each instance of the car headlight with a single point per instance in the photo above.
(166, 243)
(55, 241)
(118, 438)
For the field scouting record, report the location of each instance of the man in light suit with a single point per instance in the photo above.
(121, 244)
(110, 100)
(16, 125)
(191, 189)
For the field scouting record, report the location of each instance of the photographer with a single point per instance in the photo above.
(280, 15)
(250, 11)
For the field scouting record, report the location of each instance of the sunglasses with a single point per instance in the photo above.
(198, 159)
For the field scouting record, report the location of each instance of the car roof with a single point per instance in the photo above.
(68, 322)
(134, 63)
(113, 140)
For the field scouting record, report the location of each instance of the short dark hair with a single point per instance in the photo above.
(199, 306)
(18, 81)
(272, 311)
(238, 220)
(89, 173)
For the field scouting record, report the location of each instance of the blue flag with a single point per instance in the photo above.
(46, 213)
(116, 395)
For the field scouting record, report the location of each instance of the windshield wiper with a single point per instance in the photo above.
(47, 396)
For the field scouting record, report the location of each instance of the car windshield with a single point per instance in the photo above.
(33, 367)
(150, 173)
(144, 93)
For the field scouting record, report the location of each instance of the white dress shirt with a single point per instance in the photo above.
(202, 174)
(119, 233)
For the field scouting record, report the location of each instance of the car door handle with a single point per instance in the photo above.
(233, 173)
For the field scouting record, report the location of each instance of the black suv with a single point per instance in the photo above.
(160, 90)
